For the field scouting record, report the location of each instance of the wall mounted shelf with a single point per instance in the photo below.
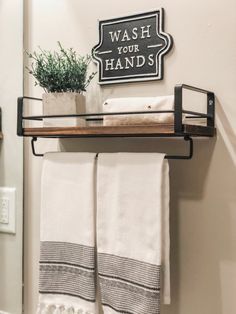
(177, 129)
(119, 131)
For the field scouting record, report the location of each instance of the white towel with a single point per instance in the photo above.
(138, 104)
(133, 231)
(67, 252)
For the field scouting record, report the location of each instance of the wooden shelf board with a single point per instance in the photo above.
(115, 131)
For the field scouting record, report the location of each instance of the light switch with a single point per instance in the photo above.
(7, 210)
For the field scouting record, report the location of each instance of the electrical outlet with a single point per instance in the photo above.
(4, 210)
(7, 210)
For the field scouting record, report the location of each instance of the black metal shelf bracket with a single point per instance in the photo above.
(33, 140)
(190, 151)
(210, 115)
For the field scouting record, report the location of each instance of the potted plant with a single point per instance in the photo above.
(63, 76)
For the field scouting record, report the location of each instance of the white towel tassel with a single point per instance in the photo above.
(59, 309)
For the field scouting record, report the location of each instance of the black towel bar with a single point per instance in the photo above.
(186, 138)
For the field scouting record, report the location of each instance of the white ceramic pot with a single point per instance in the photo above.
(63, 104)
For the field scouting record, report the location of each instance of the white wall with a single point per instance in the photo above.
(203, 200)
(11, 150)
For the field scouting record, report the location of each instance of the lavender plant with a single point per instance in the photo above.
(63, 71)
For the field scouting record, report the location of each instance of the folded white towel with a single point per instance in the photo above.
(195, 121)
(132, 231)
(67, 252)
(138, 104)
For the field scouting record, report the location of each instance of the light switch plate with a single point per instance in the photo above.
(7, 210)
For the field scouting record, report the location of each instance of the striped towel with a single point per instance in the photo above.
(132, 232)
(67, 253)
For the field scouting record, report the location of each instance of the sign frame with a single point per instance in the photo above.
(159, 64)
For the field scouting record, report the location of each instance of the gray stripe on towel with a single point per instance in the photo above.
(129, 286)
(76, 254)
(146, 274)
(67, 268)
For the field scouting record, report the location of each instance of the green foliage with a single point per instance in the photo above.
(62, 71)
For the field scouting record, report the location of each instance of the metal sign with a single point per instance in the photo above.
(132, 48)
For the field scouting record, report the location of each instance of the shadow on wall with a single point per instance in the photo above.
(203, 217)
(3, 237)
(226, 130)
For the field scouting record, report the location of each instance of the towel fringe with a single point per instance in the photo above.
(59, 309)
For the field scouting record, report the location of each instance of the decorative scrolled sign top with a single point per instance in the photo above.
(132, 48)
